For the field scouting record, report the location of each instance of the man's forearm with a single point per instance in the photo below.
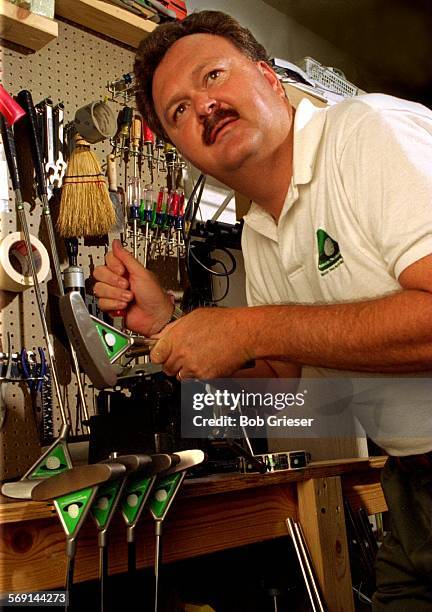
(389, 334)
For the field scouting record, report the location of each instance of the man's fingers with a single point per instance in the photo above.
(102, 290)
(127, 259)
(104, 275)
(107, 304)
(161, 351)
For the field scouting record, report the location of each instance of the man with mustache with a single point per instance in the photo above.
(340, 232)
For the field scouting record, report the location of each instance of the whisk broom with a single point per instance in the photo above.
(85, 206)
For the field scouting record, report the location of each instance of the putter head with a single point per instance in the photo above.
(132, 463)
(21, 489)
(184, 460)
(84, 337)
(160, 463)
(76, 479)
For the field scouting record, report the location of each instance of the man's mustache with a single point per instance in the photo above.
(211, 122)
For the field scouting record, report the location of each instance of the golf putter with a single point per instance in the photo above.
(165, 490)
(73, 493)
(97, 344)
(108, 496)
(57, 457)
(73, 505)
(135, 495)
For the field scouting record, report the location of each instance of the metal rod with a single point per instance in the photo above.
(223, 206)
(158, 534)
(103, 574)
(69, 581)
(302, 544)
(293, 534)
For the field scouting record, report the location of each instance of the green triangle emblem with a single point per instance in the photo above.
(72, 508)
(52, 464)
(329, 255)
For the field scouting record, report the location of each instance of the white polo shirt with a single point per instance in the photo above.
(357, 213)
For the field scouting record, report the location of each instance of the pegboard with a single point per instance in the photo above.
(73, 69)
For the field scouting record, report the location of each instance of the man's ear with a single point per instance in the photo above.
(271, 77)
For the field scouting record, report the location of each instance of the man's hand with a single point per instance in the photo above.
(124, 284)
(207, 343)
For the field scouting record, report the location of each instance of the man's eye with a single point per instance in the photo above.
(213, 75)
(179, 111)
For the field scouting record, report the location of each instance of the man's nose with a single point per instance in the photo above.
(204, 105)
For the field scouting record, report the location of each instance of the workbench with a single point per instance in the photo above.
(210, 514)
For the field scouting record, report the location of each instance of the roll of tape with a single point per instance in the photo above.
(15, 271)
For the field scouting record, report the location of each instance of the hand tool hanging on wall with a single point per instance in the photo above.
(134, 184)
(57, 455)
(34, 375)
(26, 101)
(9, 108)
(6, 375)
(85, 207)
(149, 144)
(58, 123)
(119, 226)
(164, 493)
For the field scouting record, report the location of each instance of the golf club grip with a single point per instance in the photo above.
(25, 99)
(10, 152)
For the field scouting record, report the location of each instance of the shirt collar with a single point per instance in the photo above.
(308, 128)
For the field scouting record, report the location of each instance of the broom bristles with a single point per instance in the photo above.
(85, 206)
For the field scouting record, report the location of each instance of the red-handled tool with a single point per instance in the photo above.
(10, 109)
(148, 137)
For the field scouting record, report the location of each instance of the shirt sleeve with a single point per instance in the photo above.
(386, 169)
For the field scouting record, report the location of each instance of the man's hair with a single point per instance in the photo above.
(153, 48)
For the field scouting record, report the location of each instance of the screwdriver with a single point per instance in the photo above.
(159, 220)
(149, 142)
(133, 191)
(146, 216)
(160, 145)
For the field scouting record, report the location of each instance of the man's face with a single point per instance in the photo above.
(223, 112)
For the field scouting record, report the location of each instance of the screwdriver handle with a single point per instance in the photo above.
(117, 313)
(135, 132)
(111, 172)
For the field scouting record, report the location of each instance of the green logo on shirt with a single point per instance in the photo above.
(329, 255)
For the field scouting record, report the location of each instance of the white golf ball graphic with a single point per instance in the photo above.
(73, 511)
(329, 247)
(161, 495)
(103, 503)
(132, 500)
(110, 339)
(53, 463)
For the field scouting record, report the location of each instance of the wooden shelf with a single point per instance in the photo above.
(21, 27)
(106, 19)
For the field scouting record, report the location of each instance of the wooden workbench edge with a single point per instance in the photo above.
(16, 511)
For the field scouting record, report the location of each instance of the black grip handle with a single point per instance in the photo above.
(127, 115)
(10, 152)
(25, 100)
